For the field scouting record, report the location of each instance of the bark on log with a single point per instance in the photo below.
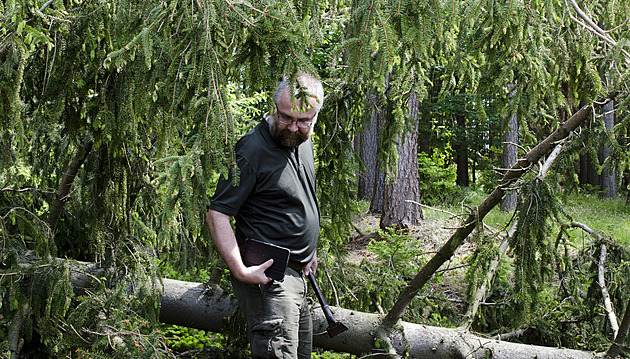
(195, 305)
(201, 306)
(198, 306)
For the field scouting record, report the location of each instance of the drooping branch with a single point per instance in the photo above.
(66, 184)
(480, 292)
(467, 226)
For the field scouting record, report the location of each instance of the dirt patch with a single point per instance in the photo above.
(432, 233)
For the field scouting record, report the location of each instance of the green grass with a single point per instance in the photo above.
(609, 217)
(461, 205)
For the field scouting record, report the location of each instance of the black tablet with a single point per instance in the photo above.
(258, 252)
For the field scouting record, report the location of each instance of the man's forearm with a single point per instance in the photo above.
(225, 240)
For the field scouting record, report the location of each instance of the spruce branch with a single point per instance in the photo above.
(480, 292)
(601, 281)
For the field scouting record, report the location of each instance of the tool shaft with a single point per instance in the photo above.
(320, 298)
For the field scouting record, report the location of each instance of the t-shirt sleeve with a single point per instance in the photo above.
(228, 198)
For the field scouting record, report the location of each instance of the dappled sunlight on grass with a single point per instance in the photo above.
(609, 217)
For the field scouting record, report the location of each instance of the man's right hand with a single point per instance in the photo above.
(254, 274)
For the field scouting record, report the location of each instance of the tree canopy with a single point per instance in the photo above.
(119, 116)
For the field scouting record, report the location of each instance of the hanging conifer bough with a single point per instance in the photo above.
(532, 245)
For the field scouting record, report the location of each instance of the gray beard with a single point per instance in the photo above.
(285, 137)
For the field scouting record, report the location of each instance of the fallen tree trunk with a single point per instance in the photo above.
(206, 307)
(200, 306)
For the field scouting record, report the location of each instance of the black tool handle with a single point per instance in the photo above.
(327, 313)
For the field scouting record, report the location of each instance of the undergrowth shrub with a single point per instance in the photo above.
(374, 284)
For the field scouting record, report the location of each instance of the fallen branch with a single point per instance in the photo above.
(601, 281)
(511, 335)
(610, 312)
(480, 293)
(468, 225)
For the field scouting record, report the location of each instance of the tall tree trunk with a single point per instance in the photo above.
(461, 153)
(588, 175)
(592, 172)
(398, 212)
(198, 306)
(208, 307)
(376, 204)
(366, 146)
(66, 184)
(509, 157)
(582, 173)
(588, 172)
(609, 176)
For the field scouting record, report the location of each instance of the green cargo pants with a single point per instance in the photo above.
(278, 317)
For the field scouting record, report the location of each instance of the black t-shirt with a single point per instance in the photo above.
(274, 200)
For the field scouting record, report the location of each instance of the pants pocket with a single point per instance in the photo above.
(266, 341)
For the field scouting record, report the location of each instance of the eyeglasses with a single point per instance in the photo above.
(287, 120)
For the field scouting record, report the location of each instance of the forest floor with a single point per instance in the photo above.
(432, 233)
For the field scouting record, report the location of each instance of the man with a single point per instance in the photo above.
(274, 202)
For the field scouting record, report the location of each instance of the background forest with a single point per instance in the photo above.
(118, 117)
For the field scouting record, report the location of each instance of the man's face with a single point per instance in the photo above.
(288, 126)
